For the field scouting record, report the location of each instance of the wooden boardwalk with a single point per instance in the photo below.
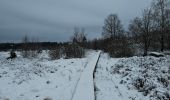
(85, 86)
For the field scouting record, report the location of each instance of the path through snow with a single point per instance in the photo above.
(85, 87)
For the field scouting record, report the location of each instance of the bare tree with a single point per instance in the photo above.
(79, 37)
(112, 26)
(160, 16)
(147, 29)
(30, 47)
(75, 38)
(167, 35)
(115, 41)
(25, 47)
(74, 49)
(35, 47)
(135, 29)
(142, 29)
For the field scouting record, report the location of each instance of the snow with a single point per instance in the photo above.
(134, 78)
(38, 78)
(117, 78)
(85, 87)
(156, 54)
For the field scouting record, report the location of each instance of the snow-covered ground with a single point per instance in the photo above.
(135, 78)
(39, 78)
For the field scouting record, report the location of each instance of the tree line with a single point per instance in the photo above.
(150, 31)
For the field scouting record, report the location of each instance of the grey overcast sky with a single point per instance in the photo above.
(54, 20)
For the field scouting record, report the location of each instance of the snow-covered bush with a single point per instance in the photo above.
(143, 85)
(148, 75)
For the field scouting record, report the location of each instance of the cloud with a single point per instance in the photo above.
(54, 20)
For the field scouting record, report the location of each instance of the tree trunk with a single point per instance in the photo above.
(162, 42)
(145, 52)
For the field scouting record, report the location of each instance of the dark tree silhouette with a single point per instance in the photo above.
(162, 20)
(142, 28)
(112, 26)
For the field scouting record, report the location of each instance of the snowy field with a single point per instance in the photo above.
(135, 78)
(38, 78)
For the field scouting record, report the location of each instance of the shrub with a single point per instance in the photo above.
(118, 47)
(30, 48)
(29, 53)
(164, 81)
(74, 51)
(47, 98)
(56, 53)
(143, 85)
(139, 83)
(161, 95)
(12, 55)
(68, 51)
